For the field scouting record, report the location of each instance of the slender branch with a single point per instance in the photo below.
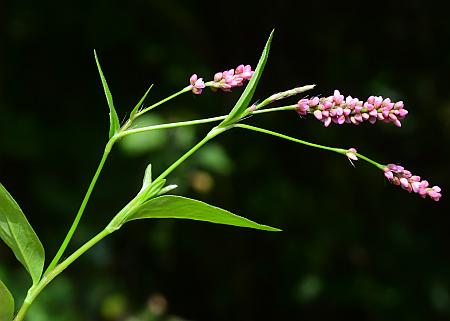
(185, 89)
(269, 132)
(171, 125)
(380, 166)
(213, 133)
(333, 149)
(198, 121)
(80, 212)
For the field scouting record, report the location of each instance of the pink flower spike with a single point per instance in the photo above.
(397, 175)
(228, 79)
(354, 110)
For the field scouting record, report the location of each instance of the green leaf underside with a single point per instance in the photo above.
(113, 118)
(244, 101)
(170, 206)
(139, 104)
(18, 234)
(6, 303)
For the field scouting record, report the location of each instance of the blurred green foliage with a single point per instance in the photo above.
(353, 246)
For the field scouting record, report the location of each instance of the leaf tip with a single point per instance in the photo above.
(271, 36)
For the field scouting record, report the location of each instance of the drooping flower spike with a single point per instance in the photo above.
(399, 176)
(335, 109)
(225, 80)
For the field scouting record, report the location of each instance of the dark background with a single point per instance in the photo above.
(354, 247)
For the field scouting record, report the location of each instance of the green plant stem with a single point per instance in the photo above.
(56, 270)
(171, 125)
(80, 212)
(213, 133)
(198, 121)
(374, 163)
(333, 149)
(46, 279)
(108, 148)
(143, 111)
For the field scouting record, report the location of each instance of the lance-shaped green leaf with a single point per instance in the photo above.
(170, 206)
(18, 234)
(114, 124)
(139, 104)
(241, 106)
(6, 303)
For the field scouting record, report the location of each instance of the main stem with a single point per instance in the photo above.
(80, 212)
(46, 279)
(58, 269)
(87, 196)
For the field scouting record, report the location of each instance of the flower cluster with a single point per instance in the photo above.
(338, 110)
(224, 80)
(228, 79)
(197, 84)
(399, 176)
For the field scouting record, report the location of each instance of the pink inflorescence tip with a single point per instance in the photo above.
(399, 176)
(336, 109)
(197, 84)
(228, 79)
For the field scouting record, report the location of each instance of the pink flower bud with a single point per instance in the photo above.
(218, 76)
(318, 114)
(313, 102)
(197, 84)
